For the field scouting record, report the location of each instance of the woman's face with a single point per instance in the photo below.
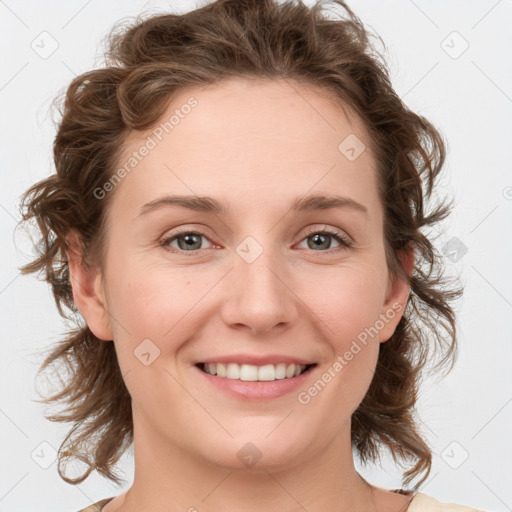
(256, 285)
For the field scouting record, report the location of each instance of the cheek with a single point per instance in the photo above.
(153, 317)
(348, 304)
(348, 300)
(151, 303)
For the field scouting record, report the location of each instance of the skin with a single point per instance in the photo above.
(257, 146)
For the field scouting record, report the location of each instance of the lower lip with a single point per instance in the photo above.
(257, 390)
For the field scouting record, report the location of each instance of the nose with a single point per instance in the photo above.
(259, 296)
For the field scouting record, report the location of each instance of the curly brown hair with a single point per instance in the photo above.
(146, 64)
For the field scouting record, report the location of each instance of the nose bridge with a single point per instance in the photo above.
(258, 296)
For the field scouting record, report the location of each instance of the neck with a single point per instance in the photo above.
(170, 479)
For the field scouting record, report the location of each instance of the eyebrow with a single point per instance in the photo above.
(211, 205)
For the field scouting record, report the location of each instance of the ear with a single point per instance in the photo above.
(397, 295)
(88, 291)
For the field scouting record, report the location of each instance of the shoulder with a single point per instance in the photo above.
(423, 503)
(96, 507)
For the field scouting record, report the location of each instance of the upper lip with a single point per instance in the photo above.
(256, 360)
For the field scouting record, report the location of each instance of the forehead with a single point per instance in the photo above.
(249, 136)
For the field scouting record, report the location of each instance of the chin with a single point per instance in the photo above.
(256, 451)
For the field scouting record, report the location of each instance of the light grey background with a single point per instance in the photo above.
(466, 94)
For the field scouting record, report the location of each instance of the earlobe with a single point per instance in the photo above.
(88, 291)
(397, 295)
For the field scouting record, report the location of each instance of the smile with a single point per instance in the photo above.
(252, 373)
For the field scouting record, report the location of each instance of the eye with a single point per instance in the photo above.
(187, 241)
(321, 239)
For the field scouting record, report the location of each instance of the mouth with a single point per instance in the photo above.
(255, 377)
(255, 373)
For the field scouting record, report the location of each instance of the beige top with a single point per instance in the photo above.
(423, 503)
(420, 503)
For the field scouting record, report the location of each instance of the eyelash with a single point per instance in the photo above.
(344, 241)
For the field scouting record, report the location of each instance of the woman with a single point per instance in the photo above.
(237, 215)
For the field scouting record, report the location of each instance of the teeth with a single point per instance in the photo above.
(221, 369)
(233, 371)
(267, 372)
(280, 371)
(250, 372)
